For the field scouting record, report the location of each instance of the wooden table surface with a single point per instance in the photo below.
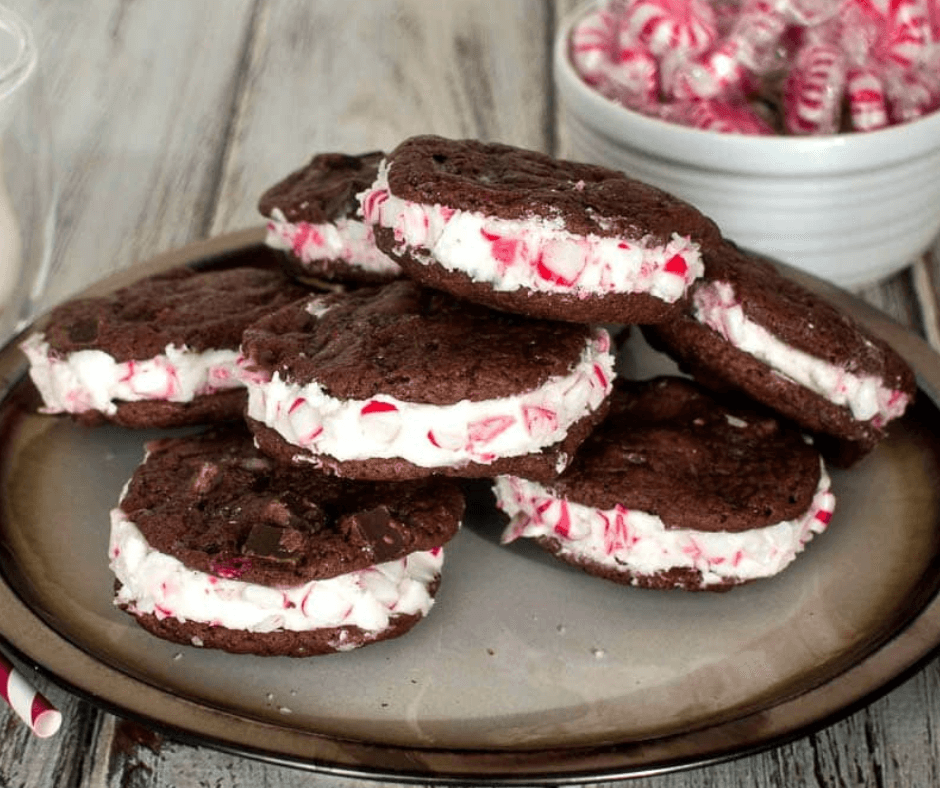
(170, 117)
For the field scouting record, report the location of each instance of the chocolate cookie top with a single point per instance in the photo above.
(669, 448)
(514, 183)
(416, 344)
(218, 505)
(324, 190)
(802, 319)
(202, 310)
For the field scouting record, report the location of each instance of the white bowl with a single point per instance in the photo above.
(850, 208)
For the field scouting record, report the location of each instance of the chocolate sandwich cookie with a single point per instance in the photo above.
(313, 217)
(520, 231)
(676, 490)
(402, 381)
(214, 543)
(749, 328)
(161, 352)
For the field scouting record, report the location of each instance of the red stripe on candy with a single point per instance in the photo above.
(377, 406)
(823, 516)
(563, 526)
(484, 430)
(676, 265)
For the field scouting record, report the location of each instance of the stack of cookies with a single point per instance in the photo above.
(444, 312)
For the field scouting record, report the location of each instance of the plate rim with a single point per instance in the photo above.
(30, 639)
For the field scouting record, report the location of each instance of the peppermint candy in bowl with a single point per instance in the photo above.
(808, 130)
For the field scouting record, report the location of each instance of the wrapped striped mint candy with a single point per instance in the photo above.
(895, 32)
(812, 96)
(617, 66)
(751, 47)
(593, 42)
(633, 77)
(868, 102)
(788, 66)
(672, 27)
(717, 115)
(889, 42)
(716, 74)
(914, 93)
(757, 32)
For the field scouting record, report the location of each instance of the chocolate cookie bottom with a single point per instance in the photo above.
(278, 643)
(627, 308)
(222, 406)
(682, 578)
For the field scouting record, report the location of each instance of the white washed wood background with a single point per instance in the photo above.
(170, 118)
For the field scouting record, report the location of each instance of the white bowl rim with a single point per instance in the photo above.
(741, 153)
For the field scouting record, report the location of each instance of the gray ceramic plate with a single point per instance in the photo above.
(526, 670)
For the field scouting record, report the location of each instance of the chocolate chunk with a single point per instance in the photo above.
(379, 530)
(267, 542)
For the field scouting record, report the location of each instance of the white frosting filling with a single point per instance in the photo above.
(154, 582)
(433, 435)
(638, 542)
(349, 240)
(536, 253)
(716, 306)
(93, 380)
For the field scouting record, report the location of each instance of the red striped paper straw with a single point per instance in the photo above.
(42, 717)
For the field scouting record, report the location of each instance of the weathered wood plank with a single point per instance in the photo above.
(896, 296)
(926, 284)
(375, 73)
(140, 97)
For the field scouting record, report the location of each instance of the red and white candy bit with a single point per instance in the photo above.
(868, 103)
(813, 91)
(686, 27)
(30, 706)
(381, 420)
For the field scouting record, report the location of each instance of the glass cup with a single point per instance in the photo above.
(27, 200)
